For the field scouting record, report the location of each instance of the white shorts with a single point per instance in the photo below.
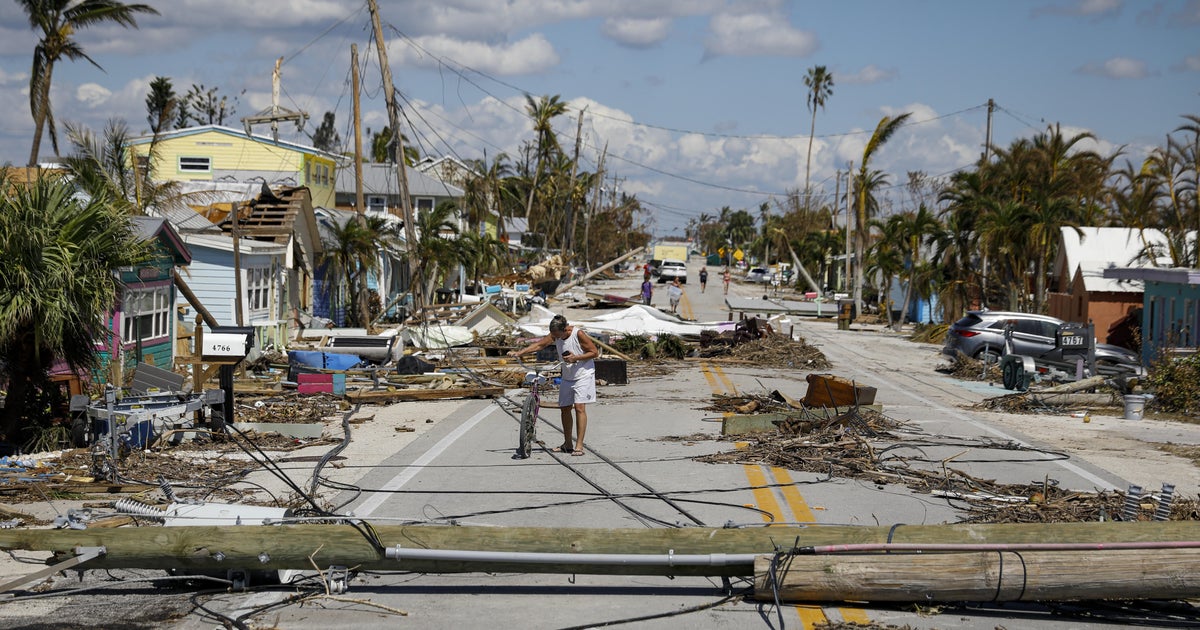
(577, 392)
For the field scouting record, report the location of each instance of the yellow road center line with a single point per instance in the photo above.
(791, 495)
(708, 376)
(764, 498)
(730, 388)
(685, 307)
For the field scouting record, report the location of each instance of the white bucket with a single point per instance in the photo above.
(1135, 406)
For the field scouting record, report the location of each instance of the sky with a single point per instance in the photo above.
(700, 103)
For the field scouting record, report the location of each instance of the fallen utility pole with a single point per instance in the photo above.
(592, 273)
(299, 546)
(992, 576)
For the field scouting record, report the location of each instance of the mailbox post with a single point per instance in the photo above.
(227, 346)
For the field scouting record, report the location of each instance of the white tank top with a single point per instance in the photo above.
(579, 370)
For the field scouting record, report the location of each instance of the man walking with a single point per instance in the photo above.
(675, 293)
(578, 387)
(647, 289)
(703, 278)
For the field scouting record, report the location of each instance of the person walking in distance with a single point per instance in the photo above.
(726, 278)
(675, 293)
(647, 290)
(703, 278)
(578, 387)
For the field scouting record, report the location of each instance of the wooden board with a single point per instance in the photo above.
(369, 396)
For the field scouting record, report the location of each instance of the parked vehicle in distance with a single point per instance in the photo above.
(980, 335)
(758, 274)
(672, 269)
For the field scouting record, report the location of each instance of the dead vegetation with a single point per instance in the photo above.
(866, 445)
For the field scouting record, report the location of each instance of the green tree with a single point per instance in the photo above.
(917, 229)
(819, 82)
(866, 181)
(326, 137)
(60, 253)
(205, 106)
(545, 150)
(437, 249)
(162, 105)
(56, 22)
(352, 253)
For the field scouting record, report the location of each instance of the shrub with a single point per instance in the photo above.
(1176, 384)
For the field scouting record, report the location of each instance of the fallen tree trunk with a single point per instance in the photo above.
(992, 576)
(290, 546)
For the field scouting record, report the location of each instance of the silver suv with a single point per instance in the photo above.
(672, 269)
(980, 335)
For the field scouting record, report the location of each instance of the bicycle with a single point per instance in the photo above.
(535, 379)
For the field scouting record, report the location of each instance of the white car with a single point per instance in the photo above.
(672, 269)
(758, 274)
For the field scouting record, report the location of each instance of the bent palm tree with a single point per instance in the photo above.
(865, 182)
(57, 21)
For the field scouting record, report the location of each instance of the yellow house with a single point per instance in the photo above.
(216, 153)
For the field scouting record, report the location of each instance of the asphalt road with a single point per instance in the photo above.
(640, 472)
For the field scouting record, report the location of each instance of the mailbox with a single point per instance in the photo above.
(1075, 340)
(225, 346)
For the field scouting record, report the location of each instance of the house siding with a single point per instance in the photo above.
(211, 278)
(242, 157)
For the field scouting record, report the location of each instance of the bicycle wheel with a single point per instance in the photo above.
(528, 432)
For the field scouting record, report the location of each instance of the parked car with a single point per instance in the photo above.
(980, 335)
(672, 269)
(758, 274)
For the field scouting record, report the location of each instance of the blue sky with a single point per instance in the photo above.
(701, 102)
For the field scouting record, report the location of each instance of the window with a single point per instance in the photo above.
(146, 314)
(192, 164)
(258, 291)
(377, 203)
(424, 204)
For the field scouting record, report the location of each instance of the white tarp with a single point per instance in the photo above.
(437, 336)
(637, 319)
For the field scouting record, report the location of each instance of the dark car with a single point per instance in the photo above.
(980, 335)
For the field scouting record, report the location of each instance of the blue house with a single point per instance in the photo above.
(1170, 309)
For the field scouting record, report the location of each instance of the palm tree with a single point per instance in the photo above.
(433, 249)
(105, 165)
(866, 182)
(351, 254)
(917, 230)
(820, 87)
(543, 112)
(60, 253)
(57, 21)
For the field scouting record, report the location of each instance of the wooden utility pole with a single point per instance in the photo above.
(568, 240)
(987, 142)
(849, 223)
(358, 184)
(197, 548)
(410, 232)
(595, 205)
(237, 264)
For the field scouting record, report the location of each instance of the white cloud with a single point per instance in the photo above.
(16, 78)
(530, 55)
(1118, 68)
(1082, 8)
(637, 33)
(92, 95)
(869, 74)
(757, 34)
(1190, 64)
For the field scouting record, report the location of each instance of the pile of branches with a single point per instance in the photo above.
(780, 351)
(964, 368)
(861, 444)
